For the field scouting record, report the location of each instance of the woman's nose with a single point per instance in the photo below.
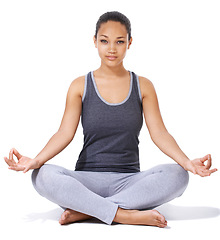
(112, 48)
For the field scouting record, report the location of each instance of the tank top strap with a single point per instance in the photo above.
(136, 86)
(91, 88)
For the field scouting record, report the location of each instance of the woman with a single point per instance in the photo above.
(107, 182)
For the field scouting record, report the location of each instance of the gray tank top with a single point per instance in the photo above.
(110, 130)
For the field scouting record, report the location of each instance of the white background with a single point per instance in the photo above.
(44, 45)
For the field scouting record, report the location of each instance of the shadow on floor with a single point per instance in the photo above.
(53, 215)
(170, 211)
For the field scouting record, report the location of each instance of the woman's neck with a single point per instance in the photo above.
(104, 70)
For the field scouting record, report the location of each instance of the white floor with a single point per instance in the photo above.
(27, 215)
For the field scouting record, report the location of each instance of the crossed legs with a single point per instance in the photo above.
(83, 193)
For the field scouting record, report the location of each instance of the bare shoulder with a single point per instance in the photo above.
(146, 87)
(77, 87)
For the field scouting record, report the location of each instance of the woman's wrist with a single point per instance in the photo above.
(184, 162)
(187, 165)
(38, 162)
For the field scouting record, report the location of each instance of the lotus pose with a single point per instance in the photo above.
(107, 183)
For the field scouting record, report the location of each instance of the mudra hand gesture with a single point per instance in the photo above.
(23, 164)
(197, 166)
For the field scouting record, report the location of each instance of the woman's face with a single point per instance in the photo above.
(112, 43)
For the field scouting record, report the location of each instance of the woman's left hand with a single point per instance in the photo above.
(197, 166)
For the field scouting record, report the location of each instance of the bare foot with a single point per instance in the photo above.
(148, 217)
(71, 216)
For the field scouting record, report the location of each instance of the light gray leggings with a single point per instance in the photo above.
(99, 194)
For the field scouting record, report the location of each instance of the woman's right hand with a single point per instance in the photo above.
(23, 164)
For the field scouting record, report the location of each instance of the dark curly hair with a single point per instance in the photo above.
(116, 17)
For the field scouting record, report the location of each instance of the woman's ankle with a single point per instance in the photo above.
(123, 216)
(135, 217)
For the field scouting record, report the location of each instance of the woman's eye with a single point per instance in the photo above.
(103, 41)
(120, 42)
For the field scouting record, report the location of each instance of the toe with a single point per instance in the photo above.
(64, 217)
(162, 224)
(159, 217)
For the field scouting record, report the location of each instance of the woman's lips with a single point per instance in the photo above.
(111, 58)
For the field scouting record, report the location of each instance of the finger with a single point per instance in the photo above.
(16, 153)
(26, 169)
(11, 156)
(209, 163)
(17, 168)
(202, 171)
(9, 162)
(203, 159)
(213, 170)
(205, 172)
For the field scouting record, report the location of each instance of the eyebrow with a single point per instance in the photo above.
(107, 36)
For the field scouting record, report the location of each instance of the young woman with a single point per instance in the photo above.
(107, 182)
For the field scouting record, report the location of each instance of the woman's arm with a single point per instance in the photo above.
(69, 124)
(61, 138)
(159, 134)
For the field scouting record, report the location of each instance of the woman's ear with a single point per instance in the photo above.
(130, 42)
(95, 41)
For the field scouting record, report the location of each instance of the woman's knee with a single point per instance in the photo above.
(181, 177)
(42, 177)
(174, 172)
(176, 177)
(34, 176)
(39, 173)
